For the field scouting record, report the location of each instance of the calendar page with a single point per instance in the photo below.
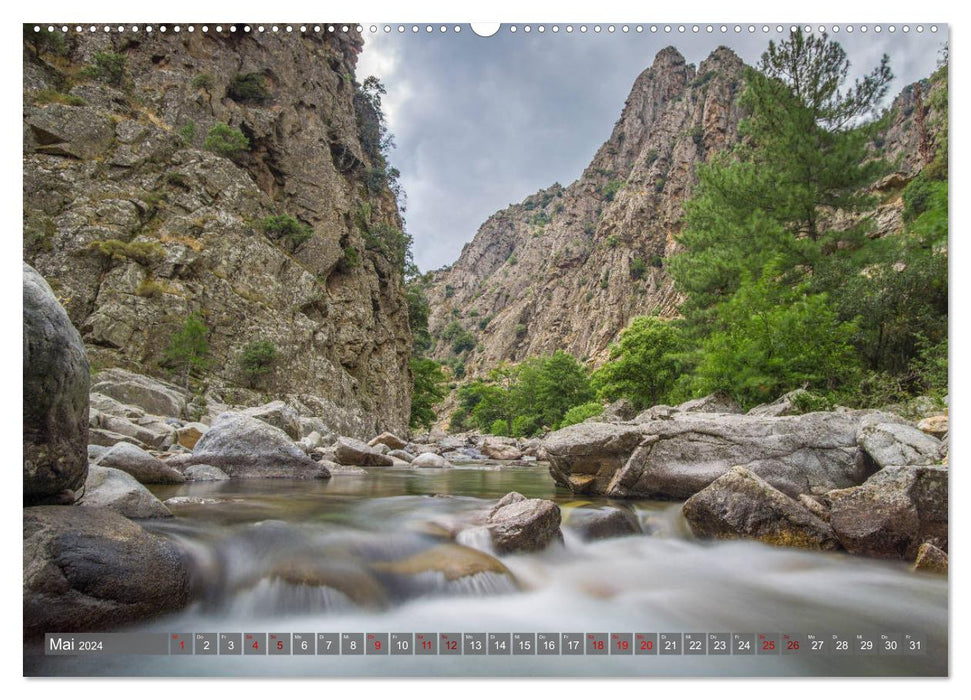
(513, 350)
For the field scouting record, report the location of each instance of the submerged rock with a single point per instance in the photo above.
(603, 523)
(55, 408)
(451, 560)
(118, 491)
(354, 453)
(893, 513)
(92, 569)
(146, 468)
(245, 448)
(739, 504)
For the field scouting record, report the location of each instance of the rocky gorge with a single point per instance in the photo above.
(159, 496)
(867, 482)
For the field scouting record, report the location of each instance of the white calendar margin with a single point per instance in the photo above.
(830, 11)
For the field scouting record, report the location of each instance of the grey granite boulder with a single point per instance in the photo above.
(89, 569)
(520, 524)
(205, 472)
(679, 456)
(898, 444)
(354, 453)
(146, 468)
(891, 515)
(115, 490)
(430, 460)
(55, 406)
(152, 395)
(739, 504)
(245, 447)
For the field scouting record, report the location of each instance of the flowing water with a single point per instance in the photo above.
(370, 554)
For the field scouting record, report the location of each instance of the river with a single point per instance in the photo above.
(297, 556)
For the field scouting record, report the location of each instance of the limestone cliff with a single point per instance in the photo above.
(137, 219)
(569, 267)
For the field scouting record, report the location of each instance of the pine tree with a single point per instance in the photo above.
(188, 349)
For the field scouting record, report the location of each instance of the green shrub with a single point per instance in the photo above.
(248, 87)
(612, 241)
(499, 427)
(350, 259)
(811, 402)
(449, 291)
(178, 179)
(521, 330)
(106, 66)
(580, 413)
(650, 157)
(225, 140)
(188, 133)
(638, 268)
(697, 133)
(257, 360)
(46, 97)
(286, 229)
(611, 189)
(143, 252)
(203, 81)
(459, 338)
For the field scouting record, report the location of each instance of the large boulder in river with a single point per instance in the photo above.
(146, 468)
(245, 447)
(677, 457)
(89, 569)
(893, 513)
(115, 490)
(279, 415)
(56, 378)
(898, 444)
(739, 504)
(152, 395)
(520, 524)
(354, 453)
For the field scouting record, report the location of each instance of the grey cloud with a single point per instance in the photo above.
(483, 122)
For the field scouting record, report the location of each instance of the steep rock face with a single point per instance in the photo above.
(599, 244)
(124, 167)
(569, 267)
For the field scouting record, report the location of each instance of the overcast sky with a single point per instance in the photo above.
(481, 123)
